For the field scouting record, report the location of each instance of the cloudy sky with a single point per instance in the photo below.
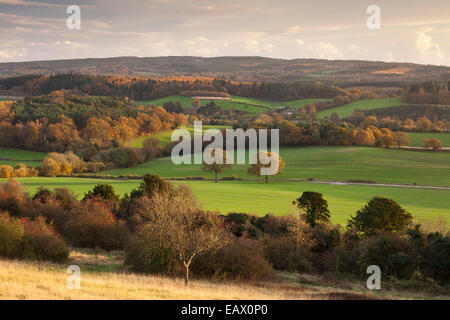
(411, 30)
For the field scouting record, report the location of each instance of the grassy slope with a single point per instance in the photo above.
(276, 197)
(330, 163)
(165, 137)
(416, 138)
(346, 110)
(240, 103)
(13, 156)
(17, 154)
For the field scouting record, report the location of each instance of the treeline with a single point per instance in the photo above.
(430, 92)
(142, 88)
(411, 113)
(163, 230)
(343, 98)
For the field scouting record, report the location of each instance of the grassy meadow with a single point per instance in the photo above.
(416, 138)
(103, 277)
(165, 137)
(14, 156)
(328, 163)
(258, 198)
(346, 110)
(250, 105)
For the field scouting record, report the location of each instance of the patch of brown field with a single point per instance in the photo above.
(395, 71)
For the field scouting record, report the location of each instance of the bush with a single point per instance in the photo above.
(41, 242)
(51, 210)
(394, 254)
(12, 197)
(11, 233)
(92, 225)
(435, 261)
(148, 254)
(285, 253)
(242, 258)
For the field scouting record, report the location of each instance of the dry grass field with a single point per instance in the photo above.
(103, 277)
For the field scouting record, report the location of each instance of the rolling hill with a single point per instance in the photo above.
(236, 68)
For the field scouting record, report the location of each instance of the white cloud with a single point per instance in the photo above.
(324, 50)
(252, 46)
(429, 51)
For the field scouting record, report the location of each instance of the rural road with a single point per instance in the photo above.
(337, 183)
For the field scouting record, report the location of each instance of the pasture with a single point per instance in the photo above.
(165, 137)
(275, 197)
(14, 156)
(416, 138)
(328, 163)
(250, 105)
(346, 110)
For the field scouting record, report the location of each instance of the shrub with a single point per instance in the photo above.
(95, 166)
(285, 253)
(394, 254)
(92, 224)
(242, 225)
(51, 210)
(435, 260)
(41, 242)
(242, 258)
(11, 233)
(6, 171)
(105, 192)
(146, 253)
(12, 197)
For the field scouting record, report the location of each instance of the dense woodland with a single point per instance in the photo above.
(144, 88)
(352, 73)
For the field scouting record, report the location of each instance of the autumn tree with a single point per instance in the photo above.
(217, 161)
(150, 148)
(433, 143)
(400, 138)
(266, 161)
(50, 168)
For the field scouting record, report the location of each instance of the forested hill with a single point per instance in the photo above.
(237, 68)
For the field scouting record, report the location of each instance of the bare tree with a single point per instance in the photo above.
(187, 230)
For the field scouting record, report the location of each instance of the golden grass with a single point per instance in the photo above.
(27, 280)
(103, 277)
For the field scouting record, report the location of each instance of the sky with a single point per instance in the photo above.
(410, 30)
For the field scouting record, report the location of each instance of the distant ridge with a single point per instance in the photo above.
(236, 68)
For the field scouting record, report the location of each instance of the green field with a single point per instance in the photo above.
(330, 163)
(13, 156)
(346, 110)
(165, 137)
(250, 105)
(416, 138)
(276, 197)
